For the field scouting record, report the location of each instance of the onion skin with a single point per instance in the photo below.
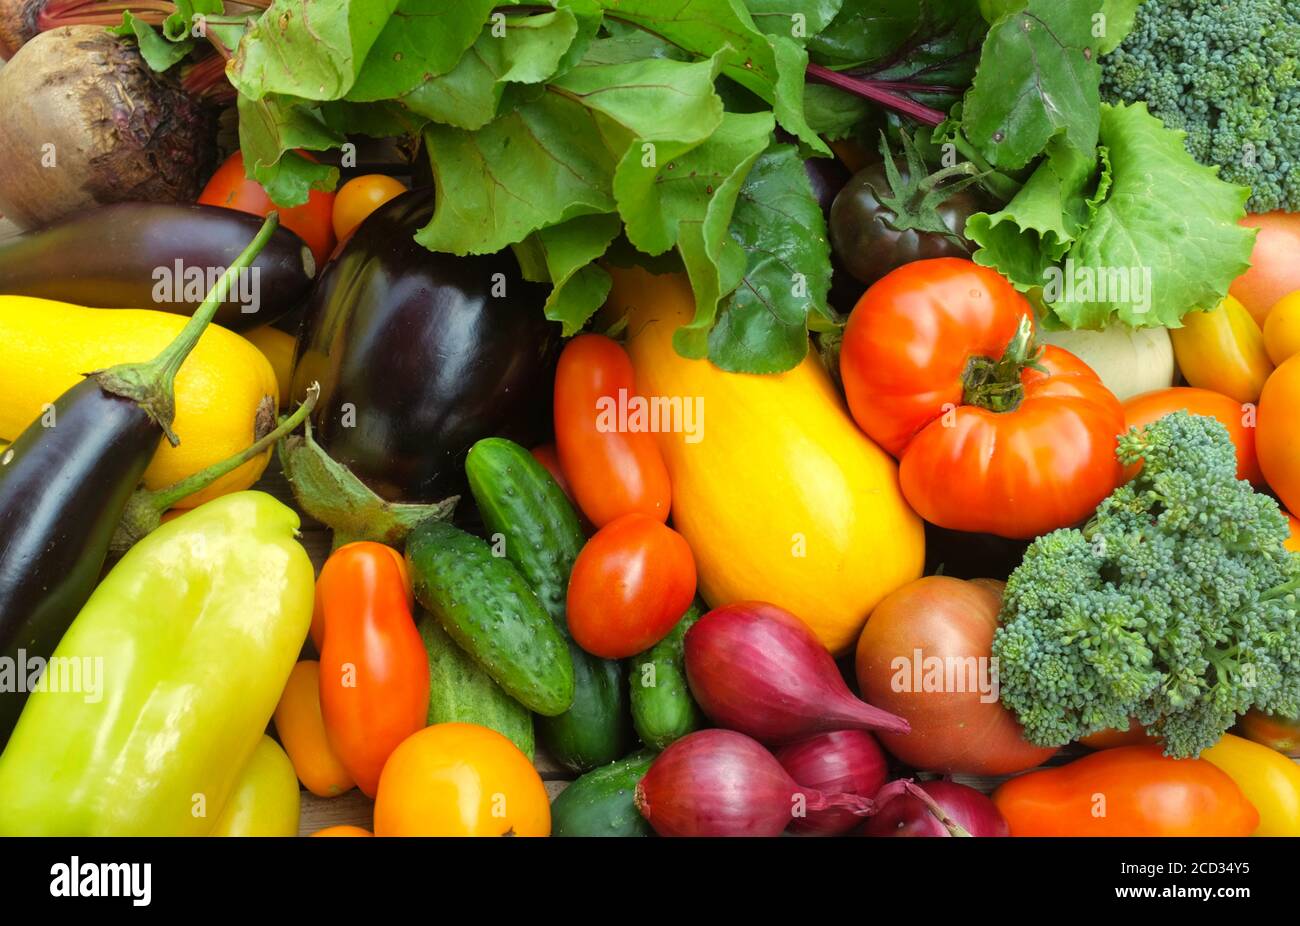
(846, 761)
(900, 813)
(722, 783)
(758, 669)
(119, 131)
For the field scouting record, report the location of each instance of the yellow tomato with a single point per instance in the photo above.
(278, 348)
(460, 779)
(779, 495)
(1223, 351)
(1282, 329)
(265, 800)
(1277, 433)
(343, 830)
(1269, 780)
(301, 727)
(359, 197)
(220, 388)
(1293, 542)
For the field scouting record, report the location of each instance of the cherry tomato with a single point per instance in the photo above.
(992, 436)
(630, 585)
(460, 779)
(374, 672)
(312, 221)
(1141, 410)
(606, 450)
(359, 197)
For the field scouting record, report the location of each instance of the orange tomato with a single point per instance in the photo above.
(1141, 410)
(359, 197)
(1277, 434)
(1274, 270)
(1293, 543)
(1135, 735)
(318, 611)
(1282, 329)
(629, 586)
(460, 779)
(613, 465)
(343, 831)
(312, 221)
(301, 728)
(1129, 791)
(374, 671)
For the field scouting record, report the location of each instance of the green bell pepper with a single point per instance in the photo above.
(196, 630)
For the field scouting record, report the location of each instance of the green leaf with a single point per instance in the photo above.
(378, 120)
(1119, 16)
(880, 32)
(177, 26)
(1036, 229)
(771, 66)
(631, 46)
(523, 50)
(159, 53)
(566, 153)
(796, 19)
(424, 38)
(269, 130)
(565, 254)
(1165, 216)
(312, 50)
(779, 225)
(832, 113)
(1038, 77)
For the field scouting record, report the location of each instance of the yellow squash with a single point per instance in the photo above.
(780, 496)
(278, 347)
(48, 346)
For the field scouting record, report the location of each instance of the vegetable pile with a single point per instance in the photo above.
(745, 417)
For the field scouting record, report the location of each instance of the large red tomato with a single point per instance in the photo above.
(992, 435)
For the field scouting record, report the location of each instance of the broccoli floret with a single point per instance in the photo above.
(1227, 72)
(1177, 603)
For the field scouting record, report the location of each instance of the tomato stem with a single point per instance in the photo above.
(996, 384)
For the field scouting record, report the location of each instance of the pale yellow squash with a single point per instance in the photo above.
(781, 498)
(48, 346)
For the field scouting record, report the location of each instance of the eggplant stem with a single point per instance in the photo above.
(152, 383)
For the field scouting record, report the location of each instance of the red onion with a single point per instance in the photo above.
(756, 668)
(934, 808)
(847, 761)
(721, 783)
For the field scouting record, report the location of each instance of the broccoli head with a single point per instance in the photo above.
(1177, 603)
(1228, 74)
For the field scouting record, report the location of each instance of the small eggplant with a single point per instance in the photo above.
(158, 256)
(65, 482)
(421, 354)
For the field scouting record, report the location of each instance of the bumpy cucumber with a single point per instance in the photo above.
(485, 605)
(600, 802)
(522, 505)
(460, 691)
(662, 707)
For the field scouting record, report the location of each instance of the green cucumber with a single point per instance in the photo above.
(523, 507)
(662, 707)
(460, 691)
(485, 605)
(600, 802)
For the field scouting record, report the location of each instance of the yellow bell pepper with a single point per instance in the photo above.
(266, 798)
(1223, 350)
(1269, 780)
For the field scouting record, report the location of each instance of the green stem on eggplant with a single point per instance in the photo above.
(332, 494)
(150, 384)
(145, 508)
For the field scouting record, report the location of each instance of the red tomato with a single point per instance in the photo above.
(1141, 410)
(936, 366)
(374, 672)
(359, 197)
(610, 458)
(312, 221)
(630, 585)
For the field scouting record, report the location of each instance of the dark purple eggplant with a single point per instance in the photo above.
(419, 355)
(157, 255)
(63, 490)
